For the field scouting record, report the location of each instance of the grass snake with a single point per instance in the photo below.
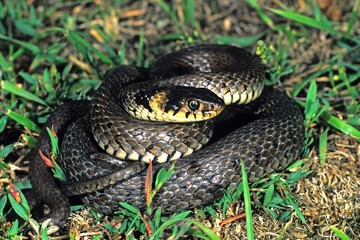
(95, 134)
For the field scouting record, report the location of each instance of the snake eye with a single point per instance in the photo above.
(193, 104)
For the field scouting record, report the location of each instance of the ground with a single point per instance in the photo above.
(60, 49)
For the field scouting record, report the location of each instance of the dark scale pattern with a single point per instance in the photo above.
(44, 186)
(267, 144)
(151, 137)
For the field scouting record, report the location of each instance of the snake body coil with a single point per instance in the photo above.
(102, 131)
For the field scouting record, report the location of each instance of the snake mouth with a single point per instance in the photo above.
(178, 104)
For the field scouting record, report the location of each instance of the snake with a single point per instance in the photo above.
(200, 111)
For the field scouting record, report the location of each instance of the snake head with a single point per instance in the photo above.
(177, 104)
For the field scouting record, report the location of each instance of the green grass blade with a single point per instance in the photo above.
(341, 125)
(312, 103)
(23, 121)
(3, 121)
(260, 11)
(241, 41)
(3, 202)
(343, 76)
(171, 221)
(130, 208)
(188, 7)
(83, 46)
(31, 47)
(295, 206)
(122, 53)
(12, 88)
(168, 10)
(340, 233)
(308, 21)
(354, 14)
(323, 145)
(54, 143)
(3, 62)
(247, 202)
(204, 228)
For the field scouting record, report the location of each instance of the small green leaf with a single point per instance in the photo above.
(296, 176)
(43, 229)
(54, 143)
(285, 216)
(27, 77)
(59, 173)
(51, 229)
(130, 208)
(6, 150)
(74, 208)
(269, 194)
(157, 217)
(3, 202)
(25, 184)
(30, 140)
(34, 225)
(3, 62)
(272, 213)
(275, 201)
(48, 83)
(66, 70)
(295, 164)
(24, 203)
(162, 176)
(14, 228)
(24, 26)
(20, 211)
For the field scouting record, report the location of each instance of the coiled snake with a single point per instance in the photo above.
(201, 79)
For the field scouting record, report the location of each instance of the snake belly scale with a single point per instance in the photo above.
(112, 126)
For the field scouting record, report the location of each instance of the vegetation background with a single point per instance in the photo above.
(52, 51)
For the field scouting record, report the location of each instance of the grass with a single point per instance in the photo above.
(61, 51)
